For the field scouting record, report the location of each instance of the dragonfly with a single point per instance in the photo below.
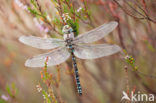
(80, 46)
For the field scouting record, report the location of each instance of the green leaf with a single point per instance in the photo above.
(46, 96)
(74, 25)
(33, 11)
(67, 0)
(8, 90)
(2, 101)
(34, 3)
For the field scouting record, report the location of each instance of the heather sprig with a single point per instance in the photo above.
(130, 60)
(51, 82)
(149, 46)
(67, 14)
(11, 94)
(12, 90)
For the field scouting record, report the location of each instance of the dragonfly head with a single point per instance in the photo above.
(67, 29)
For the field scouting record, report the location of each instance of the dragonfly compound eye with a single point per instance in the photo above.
(67, 29)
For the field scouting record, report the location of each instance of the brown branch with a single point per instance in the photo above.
(127, 12)
(120, 34)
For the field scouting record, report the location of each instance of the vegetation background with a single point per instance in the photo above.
(103, 79)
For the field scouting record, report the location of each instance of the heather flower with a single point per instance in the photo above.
(4, 97)
(21, 5)
(66, 17)
(39, 88)
(46, 95)
(40, 25)
(48, 18)
(79, 9)
(127, 57)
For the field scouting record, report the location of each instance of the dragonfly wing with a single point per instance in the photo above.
(55, 57)
(97, 33)
(41, 43)
(87, 51)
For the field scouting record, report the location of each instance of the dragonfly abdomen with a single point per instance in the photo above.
(79, 89)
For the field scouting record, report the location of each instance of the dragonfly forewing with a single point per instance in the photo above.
(96, 34)
(87, 51)
(41, 43)
(55, 57)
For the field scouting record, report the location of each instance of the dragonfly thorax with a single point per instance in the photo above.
(68, 32)
(69, 41)
(68, 36)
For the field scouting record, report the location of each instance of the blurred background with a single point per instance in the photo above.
(103, 79)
